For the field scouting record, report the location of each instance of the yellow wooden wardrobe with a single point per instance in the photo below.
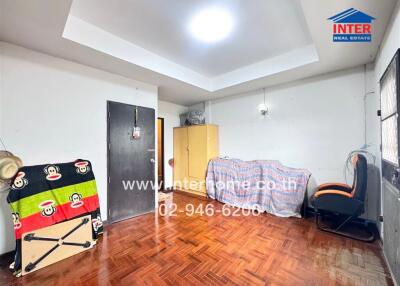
(194, 146)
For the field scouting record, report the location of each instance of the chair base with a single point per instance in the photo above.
(339, 229)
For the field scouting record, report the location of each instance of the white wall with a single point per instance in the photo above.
(373, 199)
(313, 124)
(54, 110)
(170, 112)
(390, 43)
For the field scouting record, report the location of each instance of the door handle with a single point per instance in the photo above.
(152, 160)
(395, 175)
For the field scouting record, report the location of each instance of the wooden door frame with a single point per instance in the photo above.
(108, 159)
(163, 152)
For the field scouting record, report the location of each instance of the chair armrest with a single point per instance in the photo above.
(335, 186)
(332, 192)
(338, 202)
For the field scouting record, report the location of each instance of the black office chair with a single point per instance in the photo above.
(344, 203)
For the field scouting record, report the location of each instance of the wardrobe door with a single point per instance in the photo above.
(180, 157)
(197, 151)
(212, 142)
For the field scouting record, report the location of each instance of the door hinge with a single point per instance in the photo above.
(108, 179)
(380, 147)
(378, 112)
(380, 218)
(109, 213)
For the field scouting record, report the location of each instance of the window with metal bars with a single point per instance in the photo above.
(389, 85)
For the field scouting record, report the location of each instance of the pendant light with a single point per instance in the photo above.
(262, 107)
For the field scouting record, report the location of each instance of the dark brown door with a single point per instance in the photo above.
(131, 162)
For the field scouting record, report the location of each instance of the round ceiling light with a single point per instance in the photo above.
(211, 25)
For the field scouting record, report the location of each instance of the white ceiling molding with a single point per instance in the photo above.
(281, 63)
(266, 51)
(89, 35)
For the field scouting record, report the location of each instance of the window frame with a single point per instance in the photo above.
(389, 169)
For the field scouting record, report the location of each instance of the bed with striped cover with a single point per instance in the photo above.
(263, 184)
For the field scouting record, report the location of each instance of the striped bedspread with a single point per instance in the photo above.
(266, 185)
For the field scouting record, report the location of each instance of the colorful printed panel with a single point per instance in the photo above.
(45, 195)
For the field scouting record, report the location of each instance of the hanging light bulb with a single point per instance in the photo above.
(262, 108)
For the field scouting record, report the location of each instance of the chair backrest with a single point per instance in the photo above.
(360, 177)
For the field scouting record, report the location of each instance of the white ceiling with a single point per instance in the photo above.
(161, 27)
(277, 41)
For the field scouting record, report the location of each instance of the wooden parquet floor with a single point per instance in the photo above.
(215, 250)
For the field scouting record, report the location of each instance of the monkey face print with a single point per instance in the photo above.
(52, 172)
(76, 200)
(47, 208)
(17, 223)
(97, 223)
(82, 168)
(20, 181)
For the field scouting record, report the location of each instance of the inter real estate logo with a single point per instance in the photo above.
(352, 26)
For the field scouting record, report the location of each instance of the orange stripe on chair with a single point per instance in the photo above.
(333, 192)
(334, 184)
